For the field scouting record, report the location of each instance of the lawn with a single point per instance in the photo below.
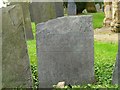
(104, 58)
(97, 19)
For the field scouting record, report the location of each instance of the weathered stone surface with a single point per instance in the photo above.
(97, 7)
(59, 9)
(42, 11)
(15, 61)
(65, 51)
(71, 7)
(116, 72)
(108, 12)
(115, 24)
(27, 19)
(0, 48)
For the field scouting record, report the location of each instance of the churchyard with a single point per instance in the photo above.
(60, 47)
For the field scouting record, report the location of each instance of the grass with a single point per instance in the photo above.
(104, 59)
(97, 19)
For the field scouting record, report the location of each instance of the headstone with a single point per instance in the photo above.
(97, 7)
(15, 61)
(0, 48)
(42, 11)
(116, 72)
(27, 19)
(71, 7)
(65, 51)
(59, 9)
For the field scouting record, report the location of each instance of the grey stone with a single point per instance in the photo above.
(42, 11)
(71, 7)
(116, 72)
(15, 60)
(97, 7)
(27, 19)
(65, 51)
(0, 48)
(59, 9)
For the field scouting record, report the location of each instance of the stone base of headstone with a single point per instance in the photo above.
(65, 51)
(16, 72)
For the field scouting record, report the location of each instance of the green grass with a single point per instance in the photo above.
(97, 19)
(104, 59)
(104, 54)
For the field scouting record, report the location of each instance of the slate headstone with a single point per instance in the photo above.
(116, 72)
(0, 48)
(65, 51)
(27, 19)
(16, 70)
(42, 11)
(71, 7)
(59, 9)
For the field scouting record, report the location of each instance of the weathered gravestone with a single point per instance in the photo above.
(15, 61)
(97, 7)
(65, 51)
(27, 19)
(59, 9)
(42, 11)
(116, 73)
(71, 7)
(0, 48)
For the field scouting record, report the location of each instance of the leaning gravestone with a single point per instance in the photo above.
(42, 11)
(27, 19)
(15, 61)
(71, 7)
(65, 51)
(116, 73)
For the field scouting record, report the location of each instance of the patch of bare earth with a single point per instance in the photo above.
(105, 34)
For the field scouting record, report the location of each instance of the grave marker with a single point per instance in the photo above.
(116, 72)
(15, 61)
(71, 7)
(42, 11)
(65, 51)
(27, 19)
